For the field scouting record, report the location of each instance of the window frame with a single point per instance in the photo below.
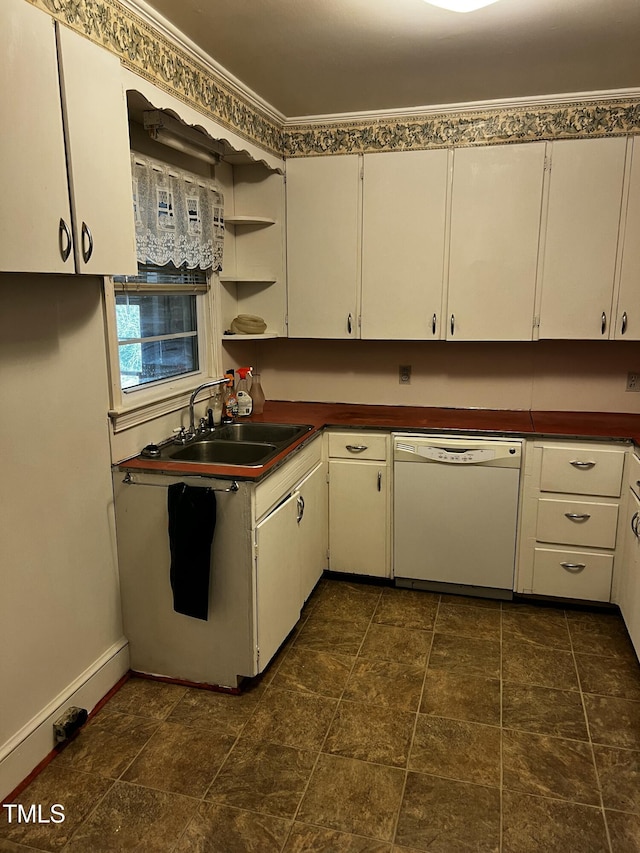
(136, 406)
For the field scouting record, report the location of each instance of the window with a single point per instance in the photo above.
(161, 322)
(157, 324)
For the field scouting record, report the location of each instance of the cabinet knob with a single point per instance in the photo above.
(64, 240)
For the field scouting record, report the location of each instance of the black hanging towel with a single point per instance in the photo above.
(192, 521)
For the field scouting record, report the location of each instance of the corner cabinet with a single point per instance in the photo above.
(323, 240)
(65, 105)
(359, 503)
(581, 238)
(629, 591)
(627, 320)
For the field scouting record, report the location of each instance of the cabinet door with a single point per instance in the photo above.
(277, 578)
(322, 246)
(95, 115)
(495, 227)
(313, 529)
(630, 587)
(627, 325)
(359, 518)
(34, 174)
(585, 197)
(403, 244)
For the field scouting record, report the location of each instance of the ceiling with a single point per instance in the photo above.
(339, 56)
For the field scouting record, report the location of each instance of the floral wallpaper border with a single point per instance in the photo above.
(151, 55)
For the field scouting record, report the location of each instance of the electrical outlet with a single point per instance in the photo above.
(404, 374)
(633, 382)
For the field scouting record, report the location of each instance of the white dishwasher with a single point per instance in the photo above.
(456, 513)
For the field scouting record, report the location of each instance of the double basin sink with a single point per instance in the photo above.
(248, 444)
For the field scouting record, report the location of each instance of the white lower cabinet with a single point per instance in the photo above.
(359, 504)
(569, 538)
(269, 549)
(629, 591)
(290, 554)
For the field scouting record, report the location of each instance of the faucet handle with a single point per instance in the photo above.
(181, 435)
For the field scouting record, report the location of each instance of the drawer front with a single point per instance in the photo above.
(358, 445)
(593, 525)
(572, 574)
(582, 472)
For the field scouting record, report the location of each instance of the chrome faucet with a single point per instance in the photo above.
(213, 384)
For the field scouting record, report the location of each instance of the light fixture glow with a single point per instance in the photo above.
(461, 5)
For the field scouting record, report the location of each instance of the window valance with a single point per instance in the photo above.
(179, 216)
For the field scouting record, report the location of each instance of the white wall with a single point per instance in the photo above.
(543, 375)
(60, 619)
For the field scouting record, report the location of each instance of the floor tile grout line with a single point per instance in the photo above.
(415, 725)
(333, 716)
(590, 739)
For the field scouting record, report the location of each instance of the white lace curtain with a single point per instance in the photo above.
(179, 216)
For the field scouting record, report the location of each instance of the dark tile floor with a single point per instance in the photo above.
(391, 720)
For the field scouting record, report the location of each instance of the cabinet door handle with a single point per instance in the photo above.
(634, 524)
(453, 323)
(574, 567)
(582, 465)
(380, 482)
(356, 448)
(433, 324)
(577, 516)
(604, 323)
(87, 242)
(623, 327)
(300, 508)
(349, 324)
(64, 240)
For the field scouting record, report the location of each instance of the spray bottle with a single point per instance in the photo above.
(230, 410)
(245, 403)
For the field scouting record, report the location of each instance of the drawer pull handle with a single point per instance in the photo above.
(577, 516)
(356, 448)
(574, 567)
(583, 465)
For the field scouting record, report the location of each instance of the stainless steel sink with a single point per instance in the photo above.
(250, 444)
(224, 452)
(270, 433)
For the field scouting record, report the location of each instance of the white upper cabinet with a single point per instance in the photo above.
(323, 241)
(627, 323)
(403, 244)
(495, 226)
(41, 231)
(581, 238)
(36, 211)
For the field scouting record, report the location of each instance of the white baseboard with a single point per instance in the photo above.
(29, 746)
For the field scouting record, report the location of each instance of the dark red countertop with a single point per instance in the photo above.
(349, 415)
